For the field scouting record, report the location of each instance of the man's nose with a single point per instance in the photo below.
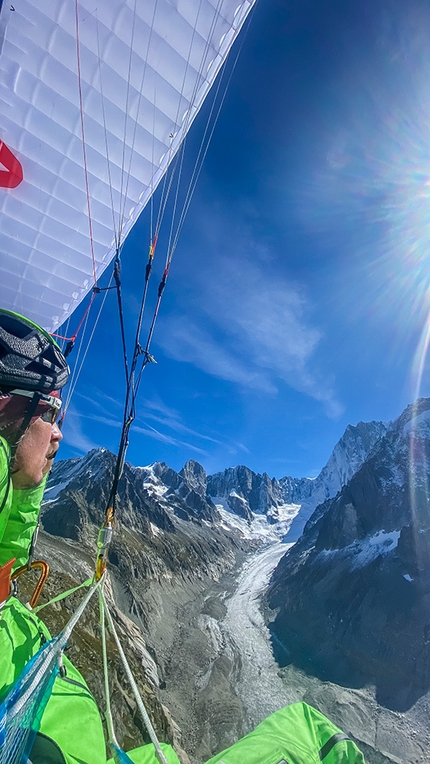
(56, 434)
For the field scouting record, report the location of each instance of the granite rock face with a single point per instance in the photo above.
(352, 596)
(187, 489)
(348, 455)
(256, 493)
(162, 513)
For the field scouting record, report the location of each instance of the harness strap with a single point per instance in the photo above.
(63, 595)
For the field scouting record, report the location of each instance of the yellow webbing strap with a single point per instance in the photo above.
(63, 595)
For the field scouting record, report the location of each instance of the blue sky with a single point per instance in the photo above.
(298, 297)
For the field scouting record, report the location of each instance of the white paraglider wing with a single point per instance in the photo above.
(129, 76)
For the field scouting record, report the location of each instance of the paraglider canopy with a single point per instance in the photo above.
(97, 103)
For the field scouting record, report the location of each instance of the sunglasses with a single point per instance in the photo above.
(49, 415)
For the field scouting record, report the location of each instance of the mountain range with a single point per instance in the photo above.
(156, 493)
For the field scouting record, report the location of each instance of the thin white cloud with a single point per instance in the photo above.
(177, 426)
(109, 421)
(185, 341)
(167, 417)
(171, 419)
(242, 447)
(74, 434)
(151, 432)
(156, 404)
(101, 400)
(250, 327)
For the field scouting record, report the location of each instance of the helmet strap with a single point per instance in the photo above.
(9, 475)
(31, 410)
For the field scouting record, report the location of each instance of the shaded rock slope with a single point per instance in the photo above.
(348, 455)
(352, 597)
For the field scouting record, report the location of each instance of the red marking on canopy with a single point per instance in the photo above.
(13, 175)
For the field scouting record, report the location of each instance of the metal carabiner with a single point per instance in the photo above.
(44, 573)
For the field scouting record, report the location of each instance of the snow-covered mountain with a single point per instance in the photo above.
(259, 493)
(347, 457)
(258, 500)
(169, 547)
(250, 505)
(354, 592)
(291, 501)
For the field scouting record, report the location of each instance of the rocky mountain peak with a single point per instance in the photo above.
(194, 476)
(348, 455)
(296, 490)
(245, 491)
(412, 413)
(238, 490)
(165, 474)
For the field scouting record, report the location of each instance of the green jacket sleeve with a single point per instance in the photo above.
(19, 516)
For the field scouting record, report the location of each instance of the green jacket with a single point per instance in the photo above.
(19, 516)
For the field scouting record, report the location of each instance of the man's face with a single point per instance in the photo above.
(33, 458)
